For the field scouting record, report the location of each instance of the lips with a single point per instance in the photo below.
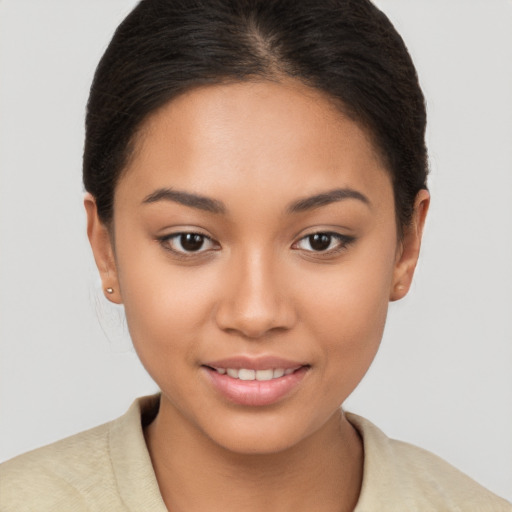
(255, 381)
(261, 375)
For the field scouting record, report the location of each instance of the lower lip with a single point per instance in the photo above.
(256, 392)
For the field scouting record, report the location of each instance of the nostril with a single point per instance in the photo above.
(254, 323)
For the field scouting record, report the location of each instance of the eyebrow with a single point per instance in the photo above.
(215, 206)
(325, 198)
(185, 198)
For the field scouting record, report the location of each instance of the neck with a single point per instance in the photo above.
(321, 473)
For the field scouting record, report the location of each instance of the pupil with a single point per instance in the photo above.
(320, 241)
(192, 241)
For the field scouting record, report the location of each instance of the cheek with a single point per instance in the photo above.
(167, 311)
(346, 311)
(166, 305)
(353, 296)
(350, 320)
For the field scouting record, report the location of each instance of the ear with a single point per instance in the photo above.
(409, 249)
(103, 250)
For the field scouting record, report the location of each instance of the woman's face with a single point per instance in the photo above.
(254, 232)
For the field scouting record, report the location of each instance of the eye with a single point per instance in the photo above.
(186, 243)
(324, 242)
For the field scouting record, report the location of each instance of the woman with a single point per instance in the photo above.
(256, 178)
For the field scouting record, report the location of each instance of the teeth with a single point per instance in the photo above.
(264, 374)
(244, 374)
(261, 375)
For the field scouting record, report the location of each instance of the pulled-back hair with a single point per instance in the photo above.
(346, 48)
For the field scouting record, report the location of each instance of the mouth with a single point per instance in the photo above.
(248, 374)
(255, 383)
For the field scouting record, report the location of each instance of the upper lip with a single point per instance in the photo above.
(254, 363)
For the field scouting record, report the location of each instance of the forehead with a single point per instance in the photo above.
(280, 139)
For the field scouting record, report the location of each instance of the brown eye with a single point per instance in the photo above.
(324, 242)
(191, 242)
(186, 243)
(320, 241)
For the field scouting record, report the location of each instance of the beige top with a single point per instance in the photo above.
(108, 468)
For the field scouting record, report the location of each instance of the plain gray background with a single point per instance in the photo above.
(443, 377)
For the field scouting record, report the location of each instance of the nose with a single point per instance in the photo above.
(254, 302)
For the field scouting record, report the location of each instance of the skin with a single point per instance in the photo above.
(258, 288)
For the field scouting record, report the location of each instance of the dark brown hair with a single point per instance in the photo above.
(346, 48)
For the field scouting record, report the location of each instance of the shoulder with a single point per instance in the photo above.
(440, 482)
(57, 474)
(397, 472)
(103, 468)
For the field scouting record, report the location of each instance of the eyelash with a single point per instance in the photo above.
(343, 242)
(166, 241)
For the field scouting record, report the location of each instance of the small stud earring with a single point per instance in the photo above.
(110, 290)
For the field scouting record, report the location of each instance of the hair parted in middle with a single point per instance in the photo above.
(347, 49)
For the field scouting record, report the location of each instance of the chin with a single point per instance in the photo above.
(259, 435)
(257, 442)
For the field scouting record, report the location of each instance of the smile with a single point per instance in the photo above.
(260, 375)
(261, 385)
